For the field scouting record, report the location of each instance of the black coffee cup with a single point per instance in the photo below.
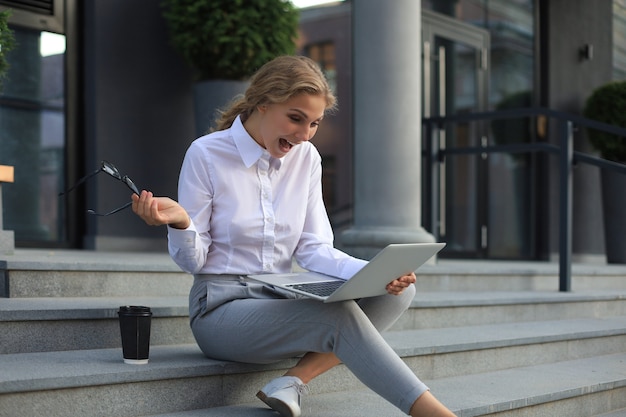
(135, 330)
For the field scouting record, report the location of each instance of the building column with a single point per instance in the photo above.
(387, 126)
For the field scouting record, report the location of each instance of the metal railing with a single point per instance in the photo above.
(567, 157)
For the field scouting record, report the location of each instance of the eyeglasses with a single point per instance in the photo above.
(110, 169)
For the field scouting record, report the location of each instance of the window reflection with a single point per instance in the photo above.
(619, 39)
(324, 54)
(32, 136)
(488, 200)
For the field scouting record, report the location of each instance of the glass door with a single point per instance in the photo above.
(32, 137)
(456, 65)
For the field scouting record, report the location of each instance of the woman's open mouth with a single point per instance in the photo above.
(285, 145)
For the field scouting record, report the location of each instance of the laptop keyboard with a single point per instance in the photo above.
(322, 289)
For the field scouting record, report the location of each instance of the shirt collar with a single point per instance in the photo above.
(249, 150)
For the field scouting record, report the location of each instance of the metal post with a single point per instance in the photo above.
(566, 159)
(435, 163)
(427, 180)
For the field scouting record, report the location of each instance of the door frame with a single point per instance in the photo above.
(434, 92)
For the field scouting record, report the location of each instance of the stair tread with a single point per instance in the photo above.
(59, 308)
(615, 413)
(491, 298)
(85, 260)
(469, 395)
(454, 339)
(80, 259)
(64, 369)
(488, 388)
(525, 386)
(48, 370)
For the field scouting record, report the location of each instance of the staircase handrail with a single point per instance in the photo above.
(566, 123)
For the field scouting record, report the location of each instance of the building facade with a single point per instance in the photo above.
(113, 89)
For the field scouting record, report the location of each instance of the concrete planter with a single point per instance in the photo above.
(210, 96)
(614, 211)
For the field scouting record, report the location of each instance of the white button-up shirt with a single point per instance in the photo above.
(251, 213)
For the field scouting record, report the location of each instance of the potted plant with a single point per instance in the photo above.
(516, 130)
(607, 104)
(7, 42)
(225, 42)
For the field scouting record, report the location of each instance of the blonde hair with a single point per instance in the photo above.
(276, 82)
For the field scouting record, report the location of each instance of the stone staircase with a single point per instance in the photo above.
(489, 338)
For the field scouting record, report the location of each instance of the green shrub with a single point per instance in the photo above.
(607, 104)
(7, 42)
(230, 39)
(513, 131)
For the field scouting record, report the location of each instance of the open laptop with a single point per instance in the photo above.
(393, 261)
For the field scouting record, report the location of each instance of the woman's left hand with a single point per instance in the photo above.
(398, 285)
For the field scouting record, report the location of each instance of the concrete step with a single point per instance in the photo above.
(440, 353)
(54, 323)
(616, 413)
(490, 275)
(98, 383)
(98, 379)
(574, 388)
(484, 335)
(468, 308)
(67, 273)
(580, 388)
(40, 273)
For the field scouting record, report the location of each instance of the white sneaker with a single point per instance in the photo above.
(283, 395)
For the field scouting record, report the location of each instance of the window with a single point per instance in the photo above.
(32, 136)
(324, 54)
(45, 15)
(511, 27)
(619, 39)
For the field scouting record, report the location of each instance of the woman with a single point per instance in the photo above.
(250, 202)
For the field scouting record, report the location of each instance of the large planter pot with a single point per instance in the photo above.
(210, 96)
(614, 211)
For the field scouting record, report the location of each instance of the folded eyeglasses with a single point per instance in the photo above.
(110, 169)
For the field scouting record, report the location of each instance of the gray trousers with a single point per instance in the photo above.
(239, 320)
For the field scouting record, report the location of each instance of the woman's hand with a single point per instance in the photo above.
(398, 285)
(157, 211)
